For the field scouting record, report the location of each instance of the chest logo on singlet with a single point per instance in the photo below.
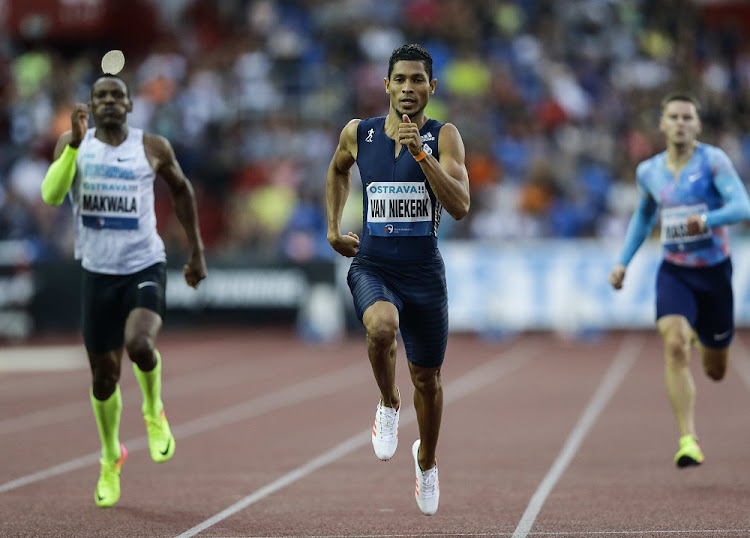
(398, 209)
(109, 197)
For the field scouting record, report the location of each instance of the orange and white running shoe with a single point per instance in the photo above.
(427, 490)
(385, 431)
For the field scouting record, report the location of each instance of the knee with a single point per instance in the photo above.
(105, 377)
(427, 381)
(382, 331)
(140, 349)
(677, 348)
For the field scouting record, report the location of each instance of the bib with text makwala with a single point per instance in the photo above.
(110, 203)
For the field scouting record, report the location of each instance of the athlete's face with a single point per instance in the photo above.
(409, 87)
(680, 122)
(110, 103)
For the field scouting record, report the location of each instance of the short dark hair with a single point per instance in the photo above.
(679, 95)
(109, 75)
(411, 52)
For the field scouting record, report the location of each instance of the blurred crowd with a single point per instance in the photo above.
(556, 101)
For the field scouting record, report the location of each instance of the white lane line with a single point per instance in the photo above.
(203, 380)
(481, 376)
(44, 417)
(292, 395)
(43, 358)
(616, 372)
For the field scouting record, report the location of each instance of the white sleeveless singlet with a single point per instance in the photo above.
(113, 205)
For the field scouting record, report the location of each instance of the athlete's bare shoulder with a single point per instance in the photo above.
(349, 132)
(158, 150)
(156, 144)
(348, 138)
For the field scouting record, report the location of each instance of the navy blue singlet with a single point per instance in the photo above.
(400, 212)
(398, 259)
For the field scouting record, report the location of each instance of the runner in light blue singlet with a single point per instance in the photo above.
(697, 193)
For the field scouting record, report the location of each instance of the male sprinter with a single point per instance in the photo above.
(412, 167)
(109, 174)
(699, 193)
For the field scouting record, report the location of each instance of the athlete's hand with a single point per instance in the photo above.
(617, 276)
(195, 269)
(79, 121)
(408, 135)
(346, 245)
(695, 225)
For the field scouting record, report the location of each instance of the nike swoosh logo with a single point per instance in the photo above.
(98, 497)
(147, 283)
(166, 450)
(721, 336)
(122, 159)
(694, 177)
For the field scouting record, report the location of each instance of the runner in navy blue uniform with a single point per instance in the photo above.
(411, 167)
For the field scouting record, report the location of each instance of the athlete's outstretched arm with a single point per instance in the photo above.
(641, 222)
(338, 183)
(162, 158)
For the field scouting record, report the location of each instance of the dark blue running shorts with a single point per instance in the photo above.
(108, 299)
(418, 291)
(703, 295)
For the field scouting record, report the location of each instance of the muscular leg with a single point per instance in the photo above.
(677, 334)
(428, 404)
(715, 361)
(141, 330)
(381, 322)
(106, 400)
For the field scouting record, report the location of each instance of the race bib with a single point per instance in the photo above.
(110, 203)
(398, 209)
(674, 235)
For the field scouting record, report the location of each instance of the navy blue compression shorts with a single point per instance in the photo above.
(703, 295)
(418, 290)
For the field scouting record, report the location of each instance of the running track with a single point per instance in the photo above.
(541, 436)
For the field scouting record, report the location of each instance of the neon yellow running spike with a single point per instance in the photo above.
(689, 454)
(108, 487)
(160, 439)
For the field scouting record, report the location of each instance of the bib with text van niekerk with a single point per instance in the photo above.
(398, 209)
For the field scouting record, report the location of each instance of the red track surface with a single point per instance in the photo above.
(541, 437)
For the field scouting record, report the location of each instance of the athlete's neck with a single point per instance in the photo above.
(678, 155)
(114, 135)
(394, 118)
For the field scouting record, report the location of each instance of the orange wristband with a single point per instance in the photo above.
(419, 156)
